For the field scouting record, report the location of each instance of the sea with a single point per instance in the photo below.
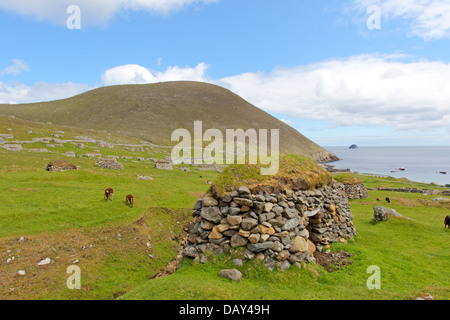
(421, 164)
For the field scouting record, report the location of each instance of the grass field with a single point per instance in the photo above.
(62, 216)
(412, 256)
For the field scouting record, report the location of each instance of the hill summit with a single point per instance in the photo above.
(153, 111)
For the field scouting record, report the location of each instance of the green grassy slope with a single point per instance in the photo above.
(152, 112)
(62, 215)
(412, 256)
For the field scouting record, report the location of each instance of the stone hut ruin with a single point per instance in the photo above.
(281, 227)
(163, 165)
(109, 163)
(60, 165)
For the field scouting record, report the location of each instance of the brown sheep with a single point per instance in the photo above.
(129, 200)
(109, 193)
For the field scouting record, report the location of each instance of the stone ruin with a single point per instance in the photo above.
(282, 229)
(109, 163)
(60, 165)
(13, 147)
(356, 191)
(163, 165)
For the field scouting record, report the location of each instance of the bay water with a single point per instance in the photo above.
(421, 164)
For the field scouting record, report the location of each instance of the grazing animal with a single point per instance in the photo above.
(129, 200)
(388, 200)
(378, 199)
(109, 193)
(447, 222)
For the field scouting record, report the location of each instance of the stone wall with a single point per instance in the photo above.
(356, 191)
(415, 190)
(60, 165)
(284, 228)
(109, 163)
(163, 165)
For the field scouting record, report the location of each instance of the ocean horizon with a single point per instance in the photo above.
(421, 163)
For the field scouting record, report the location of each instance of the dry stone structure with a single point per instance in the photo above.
(163, 165)
(356, 191)
(60, 165)
(13, 147)
(109, 163)
(281, 229)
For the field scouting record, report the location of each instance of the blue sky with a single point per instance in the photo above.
(314, 64)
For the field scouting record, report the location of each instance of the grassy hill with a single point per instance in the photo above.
(153, 111)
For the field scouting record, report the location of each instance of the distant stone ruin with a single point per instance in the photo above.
(40, 150)
(60, 165)
(356, 191)
(13, 147)
(163, 165)
(279, 228)
(109, 163)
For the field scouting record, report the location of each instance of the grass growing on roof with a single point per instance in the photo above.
(347, 178)
(295, 172)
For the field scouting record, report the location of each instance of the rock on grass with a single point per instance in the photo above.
(232, 274)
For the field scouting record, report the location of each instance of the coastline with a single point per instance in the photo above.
(417, 164)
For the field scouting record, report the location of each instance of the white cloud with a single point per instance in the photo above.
(16, 68)
(288, 122)
(366, 90)
(429, 19)
(14, 93)
(93, 12)
(135, 74)
(377, 90)
(127, 74)
(360, 90)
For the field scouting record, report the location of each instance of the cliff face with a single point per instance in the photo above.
(325, 156)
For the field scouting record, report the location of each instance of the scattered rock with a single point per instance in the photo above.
(237, 262)
(40, 150)
(145, 178)
(13, 147)
(184, 168)
(425, 296)
(441, 199)
(383, 214)
(232, 274)
(44, 262)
